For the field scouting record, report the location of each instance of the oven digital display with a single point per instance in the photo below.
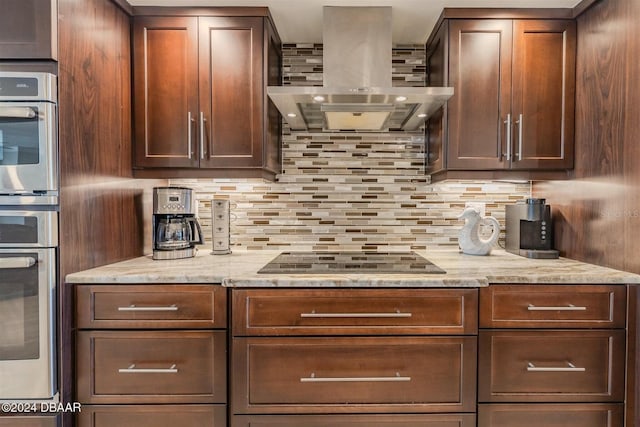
(174, 198)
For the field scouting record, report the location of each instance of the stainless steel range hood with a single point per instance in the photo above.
(357, 94)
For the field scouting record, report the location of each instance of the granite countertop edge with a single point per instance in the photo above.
(239, 270)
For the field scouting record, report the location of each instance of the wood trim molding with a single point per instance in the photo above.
(200, 11)
(507, 13)
(581, 7)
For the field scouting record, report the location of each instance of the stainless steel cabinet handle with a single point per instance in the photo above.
(189, 121)
(569, 307)
(202, 120)
(133, 370)
(313, 379)
(315, 315)
(17, 262)
(508, 123)
(569, 368)
(17, 112)
(520, 123)
(133, 307)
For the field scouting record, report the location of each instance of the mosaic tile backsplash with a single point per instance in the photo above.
(349, 191)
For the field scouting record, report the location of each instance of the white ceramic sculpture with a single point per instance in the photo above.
(470, 240)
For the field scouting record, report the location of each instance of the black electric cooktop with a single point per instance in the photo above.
(350, 262)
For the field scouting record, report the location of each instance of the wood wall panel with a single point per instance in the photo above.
(597, 215)
(104, 212)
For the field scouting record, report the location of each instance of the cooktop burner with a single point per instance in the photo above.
(350, 262)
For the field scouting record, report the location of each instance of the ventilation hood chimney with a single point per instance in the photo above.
(357, 94)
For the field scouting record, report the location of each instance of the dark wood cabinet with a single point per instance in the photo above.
(152, 354)
(550, 415)
(29, 421)
(326, 353)
(512, 111)
(559, 358)
(29, 29)
(396, 420)
(153, 416)
(200, 103)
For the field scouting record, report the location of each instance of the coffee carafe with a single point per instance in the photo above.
(176, 230)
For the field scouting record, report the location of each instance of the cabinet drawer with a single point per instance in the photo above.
(536, 415)
(430, 420)
(151, 306)
(553, 306)
(151, 367)
(34, 421)
(152, 416)
(303, 375)
(354, 312)
(551, 366)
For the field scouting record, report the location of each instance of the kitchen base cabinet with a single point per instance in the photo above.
(151, 355)
(462, 420)
(353, 357)
(559, 359)
(550, 415)
(153, 416)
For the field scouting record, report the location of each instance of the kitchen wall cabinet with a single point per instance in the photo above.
(30, 30)
(200, 103)
(353, 352)
(512, 112)
(560, 362)
(29, 421)
(151, 355)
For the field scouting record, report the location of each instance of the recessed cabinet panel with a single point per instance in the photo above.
(29, 421)
(551, 366)
(377, 420)
(151, 306)
(553, 306)
(354, 312)
(543, 95)
(152, 416)
(550, 415)
(151, 367)
(426, 374)
(480, 72)
(230, 83)
(166, 94)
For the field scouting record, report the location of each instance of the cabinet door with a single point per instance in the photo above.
(165, 53)
(230, 116)
(480, 72)
(437, 75)
(543, 94)
(28, 29)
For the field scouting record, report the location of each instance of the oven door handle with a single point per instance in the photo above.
(17, 262)
(17, 112)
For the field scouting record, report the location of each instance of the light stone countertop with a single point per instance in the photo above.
(239, 269)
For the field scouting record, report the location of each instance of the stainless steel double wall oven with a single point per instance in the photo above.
(28, 235)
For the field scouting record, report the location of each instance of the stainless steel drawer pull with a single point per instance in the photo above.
(313, 379)
(313, 314)
(133, 370)
(569, 368)
(133, 307)
(569, 307)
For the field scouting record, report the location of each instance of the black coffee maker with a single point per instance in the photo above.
(176, 230)
(529, 230)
